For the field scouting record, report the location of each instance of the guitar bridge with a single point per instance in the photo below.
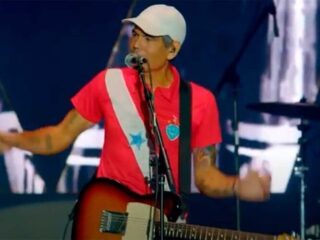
(113, 222)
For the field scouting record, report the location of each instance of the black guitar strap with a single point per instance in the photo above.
(185, 142)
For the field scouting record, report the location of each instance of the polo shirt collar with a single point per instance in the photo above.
(172, 90)
(166, 92)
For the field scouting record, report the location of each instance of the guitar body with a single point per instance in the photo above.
(107, 210)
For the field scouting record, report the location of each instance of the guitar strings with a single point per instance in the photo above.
(144, 221)
(193, 229)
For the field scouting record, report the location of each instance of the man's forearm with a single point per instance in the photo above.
(213, 183)
(51, 139)
(41, 141)
(209, 179)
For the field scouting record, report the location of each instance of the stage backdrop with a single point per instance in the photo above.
(50, 49)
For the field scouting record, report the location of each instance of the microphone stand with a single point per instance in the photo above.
(231, 77)
(162, 164)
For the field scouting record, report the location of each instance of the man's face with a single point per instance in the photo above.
(150, 47)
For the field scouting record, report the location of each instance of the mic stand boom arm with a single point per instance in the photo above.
(230, 75)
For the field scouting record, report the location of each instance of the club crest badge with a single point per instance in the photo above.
(172, 129)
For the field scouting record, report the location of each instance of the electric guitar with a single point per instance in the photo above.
(108, 210)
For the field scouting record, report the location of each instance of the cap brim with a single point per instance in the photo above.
(143, 25)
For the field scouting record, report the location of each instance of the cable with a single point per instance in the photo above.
(70, 218)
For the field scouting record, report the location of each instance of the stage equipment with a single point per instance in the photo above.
(306, 111)
(303, 111)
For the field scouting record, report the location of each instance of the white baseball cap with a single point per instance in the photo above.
(161, 20)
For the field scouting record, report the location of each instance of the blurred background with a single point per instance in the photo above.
(247, 52)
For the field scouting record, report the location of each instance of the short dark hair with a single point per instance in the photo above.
(167, 41)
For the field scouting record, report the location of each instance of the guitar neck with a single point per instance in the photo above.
(195, 232)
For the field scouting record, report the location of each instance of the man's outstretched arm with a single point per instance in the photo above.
(50, 139)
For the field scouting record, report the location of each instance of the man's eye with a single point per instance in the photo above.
(148, 38)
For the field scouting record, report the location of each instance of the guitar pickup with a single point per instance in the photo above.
(113, 222)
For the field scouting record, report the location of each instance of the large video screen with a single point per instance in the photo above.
(47, 54)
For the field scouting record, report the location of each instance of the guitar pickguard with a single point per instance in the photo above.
(140, 221)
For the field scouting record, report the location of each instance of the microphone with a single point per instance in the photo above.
(134, 60)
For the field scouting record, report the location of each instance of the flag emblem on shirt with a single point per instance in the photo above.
(137, 140)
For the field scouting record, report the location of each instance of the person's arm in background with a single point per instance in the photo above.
(214, 183)
(47, 140)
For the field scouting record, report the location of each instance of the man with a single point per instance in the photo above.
(116, 96)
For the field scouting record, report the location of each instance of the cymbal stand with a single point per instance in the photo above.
(300, 169)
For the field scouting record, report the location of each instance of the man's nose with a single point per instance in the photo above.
(136, 44)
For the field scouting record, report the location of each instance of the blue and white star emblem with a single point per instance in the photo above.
(137, 140)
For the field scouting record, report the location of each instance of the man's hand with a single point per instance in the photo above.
(253, 185)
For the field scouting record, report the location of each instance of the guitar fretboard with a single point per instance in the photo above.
(194, 232)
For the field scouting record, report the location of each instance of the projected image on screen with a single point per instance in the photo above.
(289, 73)
(18, 174)
(288, 78)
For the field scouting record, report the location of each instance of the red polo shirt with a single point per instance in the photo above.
(117, 159)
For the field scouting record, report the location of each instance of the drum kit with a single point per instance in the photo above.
(305, 112)
(301, 110)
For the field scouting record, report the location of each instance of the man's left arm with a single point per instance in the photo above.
(208, 178)
(214, 183)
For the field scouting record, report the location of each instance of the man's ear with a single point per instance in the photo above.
(173, 50)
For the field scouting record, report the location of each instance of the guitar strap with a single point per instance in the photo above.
(185, 142)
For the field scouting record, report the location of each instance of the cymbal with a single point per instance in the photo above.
(307, 111)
